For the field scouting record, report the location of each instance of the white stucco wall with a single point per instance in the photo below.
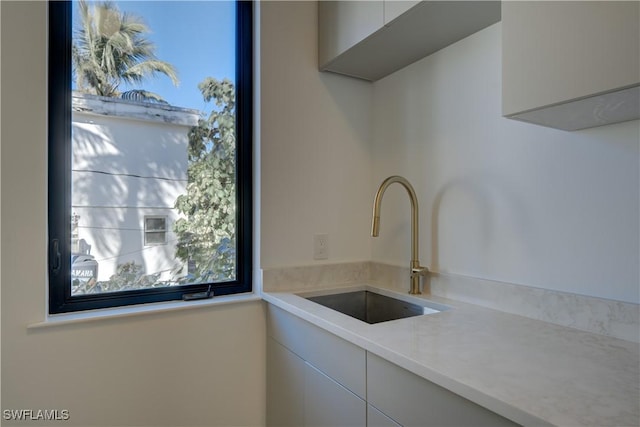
(129, 161)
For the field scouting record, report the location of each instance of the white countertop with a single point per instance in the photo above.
(532, 372)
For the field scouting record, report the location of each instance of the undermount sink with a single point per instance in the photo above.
(372, 307)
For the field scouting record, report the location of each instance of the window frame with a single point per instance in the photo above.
(59, 173)
(147, 231)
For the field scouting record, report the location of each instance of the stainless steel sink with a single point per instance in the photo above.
(372, 307)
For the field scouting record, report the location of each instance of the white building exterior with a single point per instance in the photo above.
(129, 166)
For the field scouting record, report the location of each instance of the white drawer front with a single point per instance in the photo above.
(413, 401)
(339, 359)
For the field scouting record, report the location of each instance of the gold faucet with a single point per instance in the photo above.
(416, 270)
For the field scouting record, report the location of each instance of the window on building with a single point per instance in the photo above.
(155, 230)
(149, 117)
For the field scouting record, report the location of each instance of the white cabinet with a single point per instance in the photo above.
(341, 360)
(344, 24)
(393, 9)
(285, 386)
(313, 377)
(298, 394)
(413, 401)
(571, 64)
(376, 418)
(327, 403)
(371, 39)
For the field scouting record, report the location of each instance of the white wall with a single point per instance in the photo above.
(112, 205)
(194, 367)
(500, 199)
(315, 143)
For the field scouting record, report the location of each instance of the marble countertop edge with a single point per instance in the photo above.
(376, 339)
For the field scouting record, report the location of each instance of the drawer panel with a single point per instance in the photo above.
(337, 358)
(376, 418)
(327, 403)
(413, 401)
(285, 386)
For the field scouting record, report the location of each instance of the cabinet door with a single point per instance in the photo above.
(413, 401)
(341, 360)
(327, 403)
(376, 418)
(372, 39)
(580, 54)
(285, 386)
(395, 8)
(343, 24)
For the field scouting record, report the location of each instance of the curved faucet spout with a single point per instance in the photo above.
(416, 270)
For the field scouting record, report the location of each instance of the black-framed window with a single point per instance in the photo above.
(128, 168)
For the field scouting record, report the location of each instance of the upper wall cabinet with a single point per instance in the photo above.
(371, 39)
(571, 65)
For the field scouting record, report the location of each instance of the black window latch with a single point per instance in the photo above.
(198, 295)
(54, 257)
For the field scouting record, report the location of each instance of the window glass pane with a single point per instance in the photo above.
(155, 224)
(155, 238)
(153, 144)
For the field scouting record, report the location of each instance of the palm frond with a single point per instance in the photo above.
(151, 67)
(110, 48)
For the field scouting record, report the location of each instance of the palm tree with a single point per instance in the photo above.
(109, 48)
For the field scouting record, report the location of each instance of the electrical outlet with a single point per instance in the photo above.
(321, 246)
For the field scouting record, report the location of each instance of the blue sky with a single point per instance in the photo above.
(197, 37)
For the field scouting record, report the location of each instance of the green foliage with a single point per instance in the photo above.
(109, 48)
(128, 276)
(206, 232)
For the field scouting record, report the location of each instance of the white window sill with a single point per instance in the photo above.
(142, 309)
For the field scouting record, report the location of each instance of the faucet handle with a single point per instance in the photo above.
(419, 271)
